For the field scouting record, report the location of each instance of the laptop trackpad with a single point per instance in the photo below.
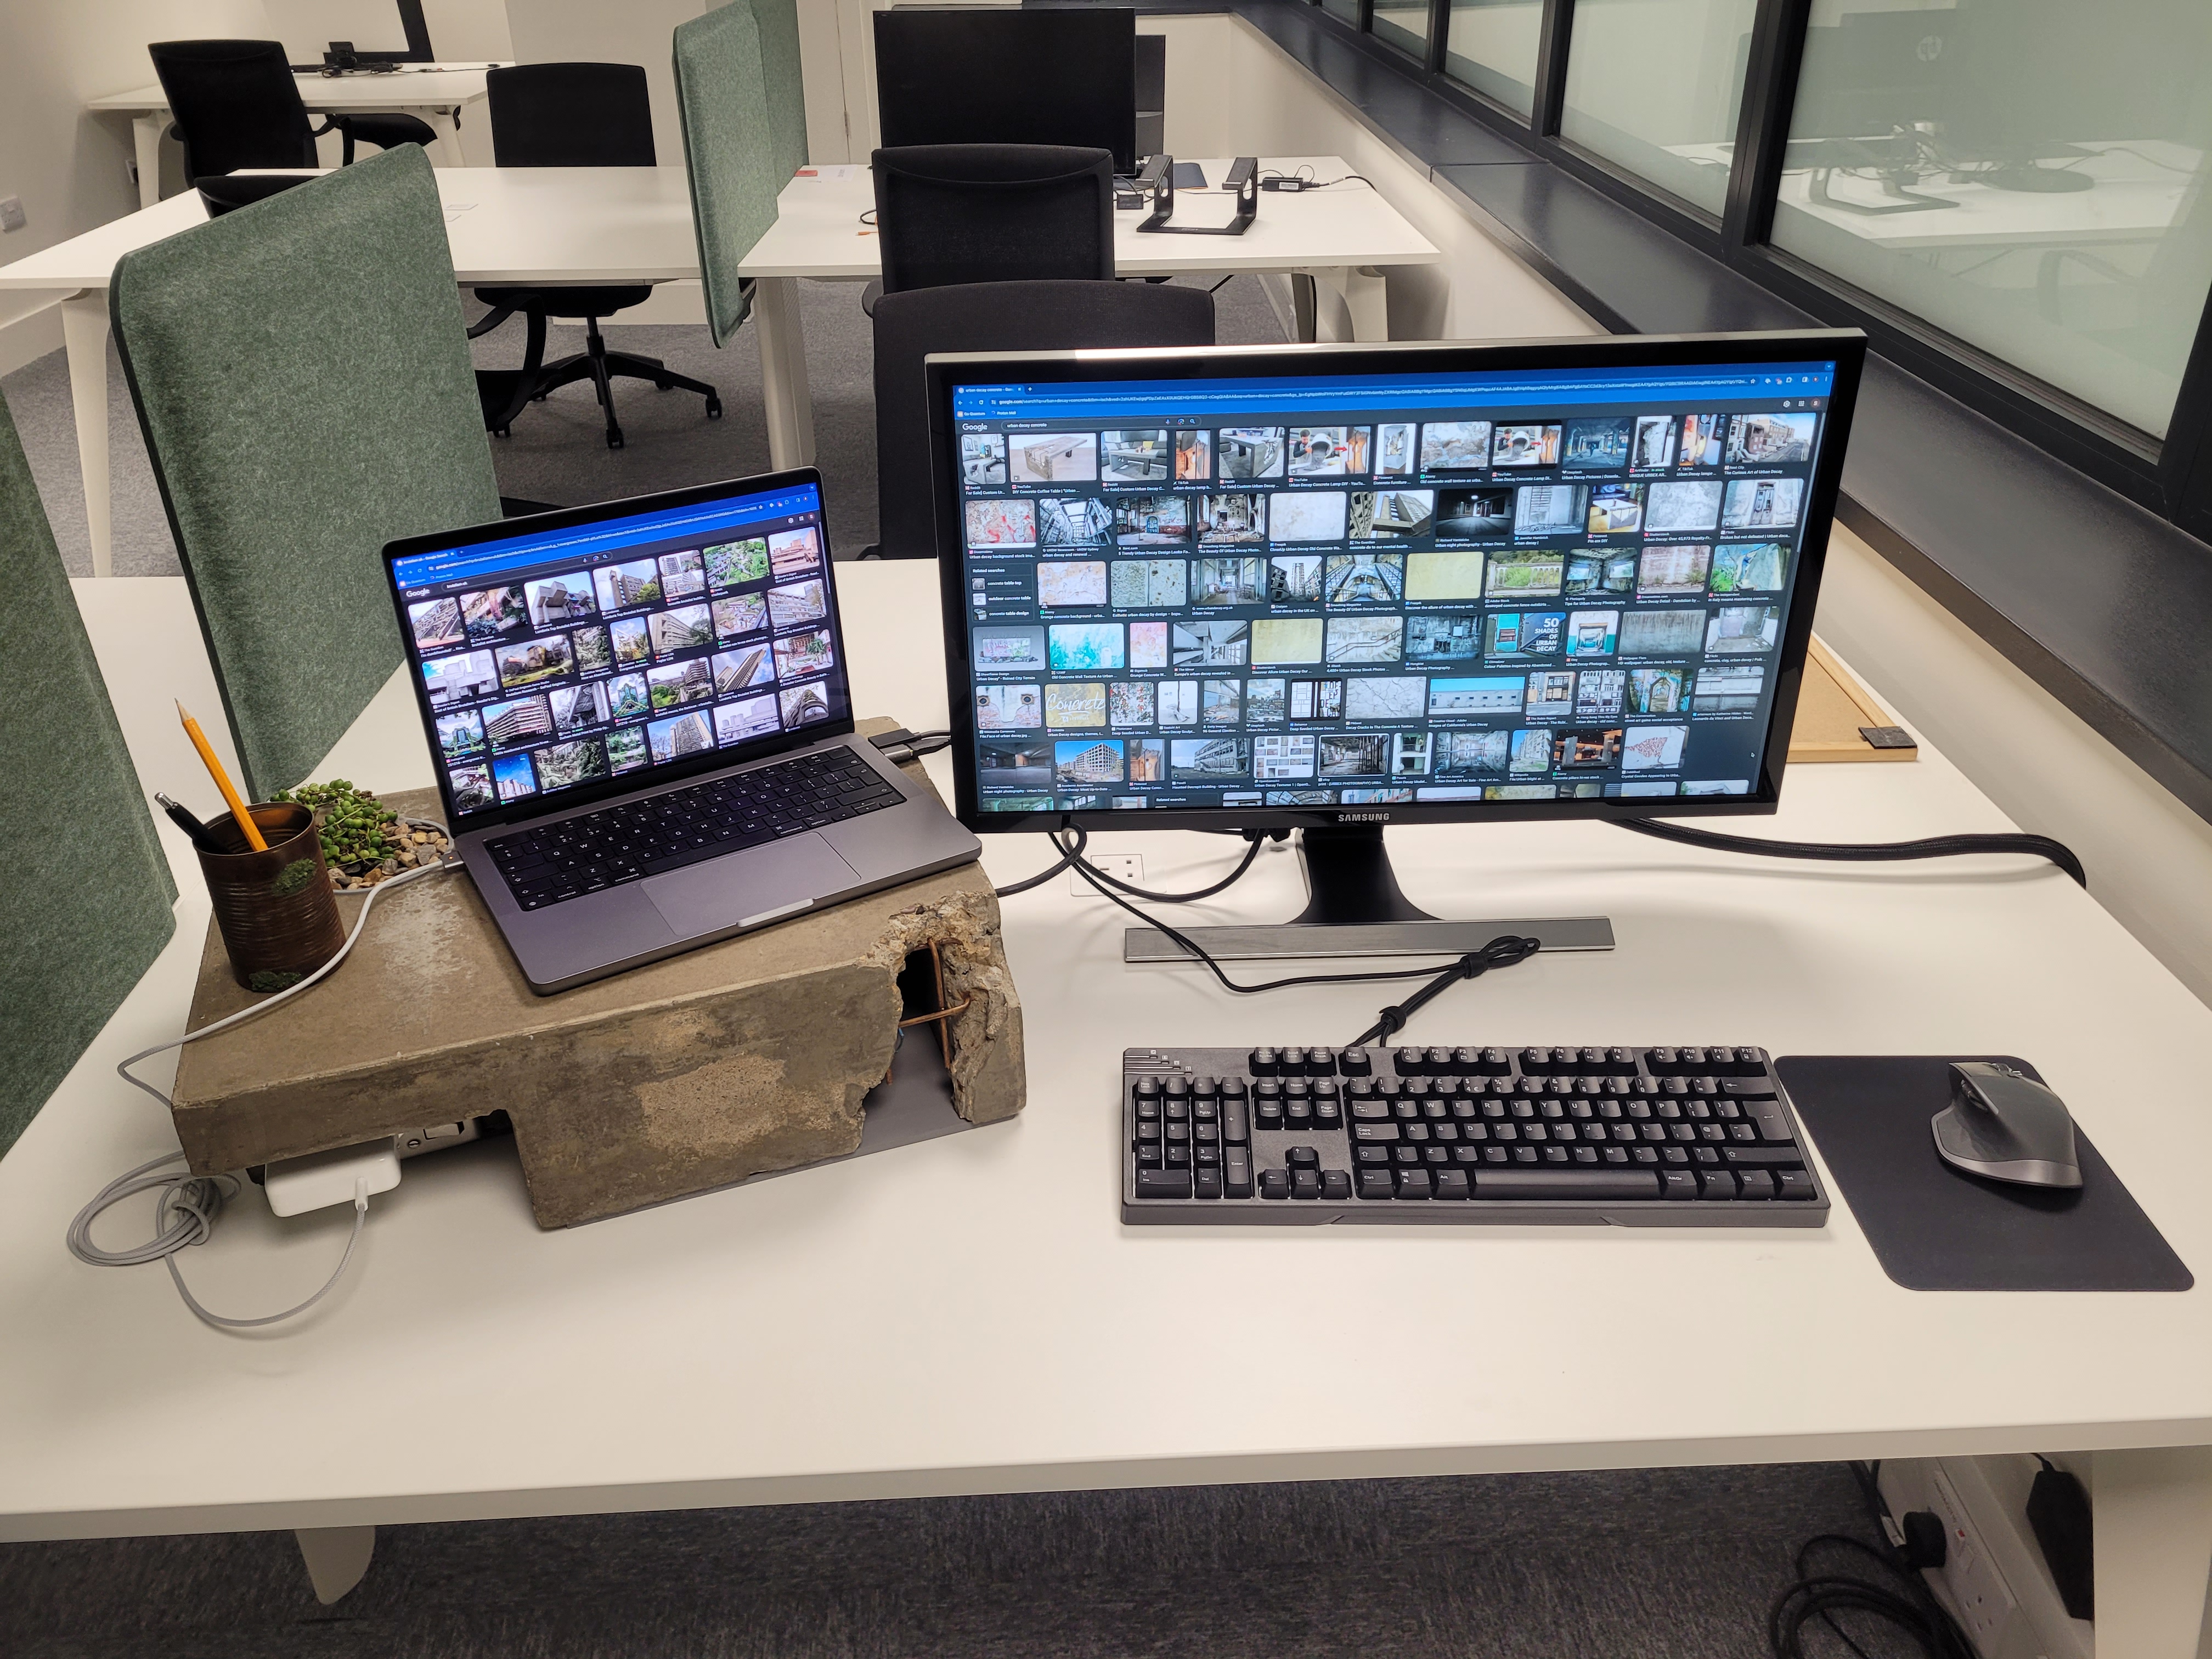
(725, 891)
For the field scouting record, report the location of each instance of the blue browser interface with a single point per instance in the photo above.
(566, 658)
(1361, 589)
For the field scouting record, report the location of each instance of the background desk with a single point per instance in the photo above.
(1342, 237)
(434, 93)
(969, 1316)
(534, 227)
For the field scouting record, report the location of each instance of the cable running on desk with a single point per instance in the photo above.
(186, 1205)
(1878, 852)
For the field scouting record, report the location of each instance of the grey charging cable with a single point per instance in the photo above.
(186, 1205)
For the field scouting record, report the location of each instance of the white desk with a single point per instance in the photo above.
(544, 227)
(1343, 237)
(2135, 199)
(435, 93)
(969, 1316)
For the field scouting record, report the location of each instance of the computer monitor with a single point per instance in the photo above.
(1047, 76)
(382, 31)
(1331, 588)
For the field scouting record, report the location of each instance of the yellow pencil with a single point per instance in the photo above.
(240, 816)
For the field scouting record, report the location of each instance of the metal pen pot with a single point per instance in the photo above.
(278, 915)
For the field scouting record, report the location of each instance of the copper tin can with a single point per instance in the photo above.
(278, 915)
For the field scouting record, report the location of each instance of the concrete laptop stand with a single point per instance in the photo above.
(741, 1057)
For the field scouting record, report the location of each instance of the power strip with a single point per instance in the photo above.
(1993, 1579)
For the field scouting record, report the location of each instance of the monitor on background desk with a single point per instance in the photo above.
(1329, 590)
(960, 75)
(382, 31)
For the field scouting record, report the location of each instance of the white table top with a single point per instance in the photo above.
(970, 1315)
(2136, 199)
(541, 225)
(819, 233)
(431, 86)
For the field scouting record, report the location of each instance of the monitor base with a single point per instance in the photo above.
(1356, 909)
(1390, 938)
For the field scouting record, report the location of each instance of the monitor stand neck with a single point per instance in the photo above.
(1355, 908)
(1349, 879)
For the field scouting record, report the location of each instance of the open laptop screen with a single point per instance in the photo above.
(603, 652)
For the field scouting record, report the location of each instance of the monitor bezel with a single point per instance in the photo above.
(945, 372)
(651, 777)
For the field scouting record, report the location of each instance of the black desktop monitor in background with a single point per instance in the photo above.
(1331, 589)
(1008, 76)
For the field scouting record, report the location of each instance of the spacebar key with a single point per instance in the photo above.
(1565, 1184)
(678, 859)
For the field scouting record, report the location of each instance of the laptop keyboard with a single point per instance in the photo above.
(565, 860)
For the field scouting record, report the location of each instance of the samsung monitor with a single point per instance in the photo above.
(1008, 76)
(1331, 588)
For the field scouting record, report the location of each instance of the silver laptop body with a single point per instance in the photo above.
(584, 676)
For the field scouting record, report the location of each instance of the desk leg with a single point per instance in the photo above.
(783, 373)
(2153, 1550)
(146, 131)
(337, 1558)
(1366, 302)
(84, 336)
(446, 147)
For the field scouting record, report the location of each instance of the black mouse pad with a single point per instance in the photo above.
(1935, 1228)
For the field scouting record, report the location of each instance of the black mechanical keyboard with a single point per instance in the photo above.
(549, 862)
(1635, 1137)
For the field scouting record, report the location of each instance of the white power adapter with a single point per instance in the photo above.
(297, 1185)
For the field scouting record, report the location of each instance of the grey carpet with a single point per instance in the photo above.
(1664, 1564)
(558, 454)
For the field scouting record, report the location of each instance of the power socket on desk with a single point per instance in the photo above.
(1122, 866)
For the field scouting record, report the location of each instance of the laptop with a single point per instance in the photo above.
(643, 726)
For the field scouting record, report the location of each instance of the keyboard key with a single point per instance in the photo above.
(1162, 1183)
(1793, 1183)
(1569, 1184)
(1206, 1183)
(1305, 1183)
(1237, 1171)
(1274, 1184)
(1715, 1183)
(1376, 1183)
(1452, 1183)
(1415, 1183)
(1336, 1184)
(1763, 1158)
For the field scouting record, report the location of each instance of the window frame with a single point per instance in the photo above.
(2171, 477)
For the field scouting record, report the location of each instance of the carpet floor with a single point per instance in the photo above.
(558, 452)
(1660, 1565)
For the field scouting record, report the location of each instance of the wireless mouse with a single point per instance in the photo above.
(2007, 1127)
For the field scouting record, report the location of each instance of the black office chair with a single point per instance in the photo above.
(992, 213)
(1023, 316)
(570, 115)
(235, 103)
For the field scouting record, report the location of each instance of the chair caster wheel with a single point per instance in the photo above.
(614, 438)
(502, 432)
(713, 408)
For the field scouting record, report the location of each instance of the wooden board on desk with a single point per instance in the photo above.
(1832, 706)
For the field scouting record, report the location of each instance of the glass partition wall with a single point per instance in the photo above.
(2010, 195)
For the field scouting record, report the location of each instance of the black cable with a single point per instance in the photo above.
(1259, 839)
(1496, 953)
(1502, 951)
(1067, 859)
(1932, 846)
(1908, 1606)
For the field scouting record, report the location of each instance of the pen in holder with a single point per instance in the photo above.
(278, 915)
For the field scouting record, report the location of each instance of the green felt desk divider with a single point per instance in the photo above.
(85, 890)
(301, 371)
(743, 108)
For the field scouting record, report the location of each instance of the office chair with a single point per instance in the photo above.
(236, 104)
(992, 213)
(1021, 316)
(300, 370)
(86, 910)
(570, 115)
